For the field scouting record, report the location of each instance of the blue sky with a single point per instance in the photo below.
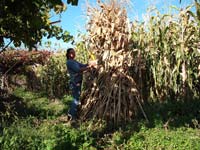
(74, 20)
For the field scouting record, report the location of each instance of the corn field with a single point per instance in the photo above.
(157, 59)
(170, 46)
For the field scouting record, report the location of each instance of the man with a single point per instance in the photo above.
(75, 70)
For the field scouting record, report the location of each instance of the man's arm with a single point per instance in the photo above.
(84, 68)
(77, 67)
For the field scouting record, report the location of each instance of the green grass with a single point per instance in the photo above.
(47, 135)
(38, 104)
(44, 127)
(159, 138)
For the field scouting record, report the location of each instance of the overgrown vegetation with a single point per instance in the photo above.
(156, 62)
(41, 70)
(45, 127)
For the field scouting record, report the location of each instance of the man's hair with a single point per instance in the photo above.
(68, 51)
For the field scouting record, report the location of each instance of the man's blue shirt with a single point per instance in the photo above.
(73, 68)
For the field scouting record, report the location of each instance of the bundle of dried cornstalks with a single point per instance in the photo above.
(111, 93)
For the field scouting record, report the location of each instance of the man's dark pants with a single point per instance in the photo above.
(76, 91)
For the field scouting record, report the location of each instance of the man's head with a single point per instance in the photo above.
(70, 53)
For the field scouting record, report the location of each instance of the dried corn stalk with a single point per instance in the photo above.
(111, 93)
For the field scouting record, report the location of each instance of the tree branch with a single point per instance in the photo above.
(54, 22)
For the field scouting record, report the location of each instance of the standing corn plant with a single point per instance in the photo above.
(169, 44)
(112, 93)
(53, 75)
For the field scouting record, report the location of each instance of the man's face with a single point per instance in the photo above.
(72, 54)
